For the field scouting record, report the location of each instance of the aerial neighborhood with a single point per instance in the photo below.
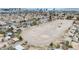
(39, 29)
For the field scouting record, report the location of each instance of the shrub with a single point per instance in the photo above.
(67, 43)
(50, 19)
(70, 46)
(77, 18)
(11, 48)
(51, 44)
(69, 17)
(34, 23)
(57, 46)
(20, 38)
(64, 47)
(1, 32)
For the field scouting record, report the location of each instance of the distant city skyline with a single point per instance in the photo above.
(36, 9)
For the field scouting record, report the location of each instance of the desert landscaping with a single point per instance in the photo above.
(39, 29)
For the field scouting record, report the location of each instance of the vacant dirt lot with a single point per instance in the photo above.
(44, 34)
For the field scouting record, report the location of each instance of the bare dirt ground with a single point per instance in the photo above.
(44, 34)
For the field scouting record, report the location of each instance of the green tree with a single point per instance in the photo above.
(69, 17)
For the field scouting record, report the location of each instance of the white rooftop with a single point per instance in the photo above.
(19, 47)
